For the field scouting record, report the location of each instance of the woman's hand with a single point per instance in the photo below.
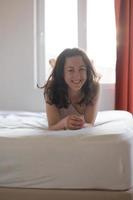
(74, 122)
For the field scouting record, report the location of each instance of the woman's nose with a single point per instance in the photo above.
(76, 75)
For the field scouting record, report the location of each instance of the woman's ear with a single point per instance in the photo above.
(52, 62)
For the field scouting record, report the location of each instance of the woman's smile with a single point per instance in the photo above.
(77, 83)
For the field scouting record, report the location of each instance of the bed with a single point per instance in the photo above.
(90, 163)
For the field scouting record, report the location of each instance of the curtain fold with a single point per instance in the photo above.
(124, 58)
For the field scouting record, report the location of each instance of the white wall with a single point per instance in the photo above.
(107, 97)
(16, 57)
(17, 90)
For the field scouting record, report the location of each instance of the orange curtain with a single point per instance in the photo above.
(124, 61)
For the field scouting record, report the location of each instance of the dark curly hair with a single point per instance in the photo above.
(56, 89)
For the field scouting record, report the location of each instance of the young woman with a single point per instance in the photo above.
(72, 91)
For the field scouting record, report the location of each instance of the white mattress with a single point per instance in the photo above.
(90, 158)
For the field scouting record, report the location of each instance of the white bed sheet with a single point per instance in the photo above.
(33, 157)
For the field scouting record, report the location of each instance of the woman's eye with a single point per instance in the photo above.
(83, 69)
(70, 70)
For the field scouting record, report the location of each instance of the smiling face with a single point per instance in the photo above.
(75, 73)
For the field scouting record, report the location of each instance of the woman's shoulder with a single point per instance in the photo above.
(96, 91)
(96, 87)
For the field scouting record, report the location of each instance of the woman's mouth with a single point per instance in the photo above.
(77, 83)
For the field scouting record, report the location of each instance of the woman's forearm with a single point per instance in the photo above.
(61, 125)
